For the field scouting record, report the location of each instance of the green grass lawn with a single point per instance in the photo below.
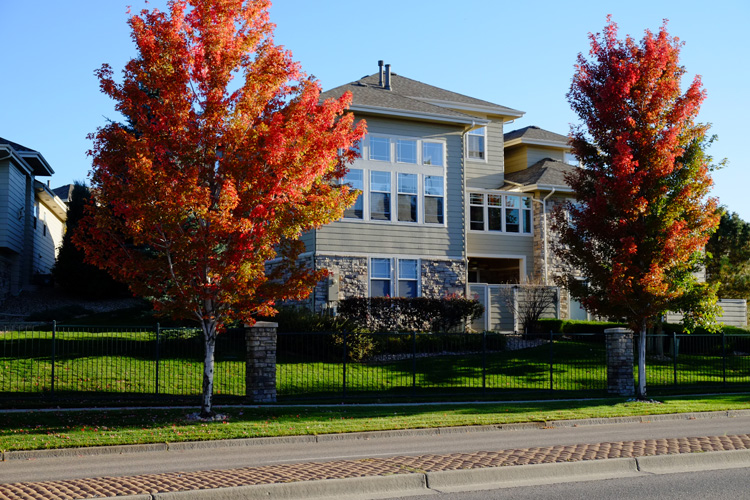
(32, 430)
(123, 363)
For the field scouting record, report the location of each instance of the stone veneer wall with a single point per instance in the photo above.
(352, 273)
(440, 277)
(443, 277)
(554, 264)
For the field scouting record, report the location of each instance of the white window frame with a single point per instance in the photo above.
(361, 190)
(371, 190)
(415, 194)
(395, 277)
(522, 210)
(475, 133)
(424, 200)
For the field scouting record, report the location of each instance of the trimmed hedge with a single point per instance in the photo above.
(568, 326)
(420, 314)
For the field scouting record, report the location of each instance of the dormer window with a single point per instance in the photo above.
(476, 144)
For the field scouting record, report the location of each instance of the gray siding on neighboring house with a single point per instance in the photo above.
(13, 207)
(734, 313)
(357, 237)
(308, 239)
(489, 174)
(536, 153)
(486, 244)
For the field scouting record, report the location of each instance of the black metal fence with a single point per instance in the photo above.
(95, 362)
(115, 361)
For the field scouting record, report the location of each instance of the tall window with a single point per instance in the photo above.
(408, 274)
(476, 211)
(355, 179)
(407, 197)
(380, 195)
(433, 199)
(475, 144)
(380, 278)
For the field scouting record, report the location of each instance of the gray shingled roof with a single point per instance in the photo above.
(535, 133)
(547, 172)
(64, 192)
(16, 146)
(410, 96)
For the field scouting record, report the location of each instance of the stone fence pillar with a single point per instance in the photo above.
(260, 374)
(620, 379)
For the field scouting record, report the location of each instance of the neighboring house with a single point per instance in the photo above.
(32, 218)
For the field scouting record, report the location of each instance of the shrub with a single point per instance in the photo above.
(418, 314)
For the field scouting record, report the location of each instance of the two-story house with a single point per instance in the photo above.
(32, 218)
(449, 203)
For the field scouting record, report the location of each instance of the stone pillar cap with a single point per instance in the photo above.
(263, 324)
(618, 330)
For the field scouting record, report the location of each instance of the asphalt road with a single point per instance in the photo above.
(249, 453)
(728, 484)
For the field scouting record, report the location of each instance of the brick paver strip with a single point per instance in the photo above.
(104, 487)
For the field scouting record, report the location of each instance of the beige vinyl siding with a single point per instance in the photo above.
(12, 203)
(308, 238)
(355, 237)
(515, 159)
(486, 244)
(47, 241)
(489, 174)
(734, 313)
(536, 153)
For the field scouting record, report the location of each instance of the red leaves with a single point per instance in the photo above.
(644, 217)
(202, 184)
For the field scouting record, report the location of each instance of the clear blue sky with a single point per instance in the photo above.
(518, 54)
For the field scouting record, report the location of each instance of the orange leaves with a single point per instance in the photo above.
(203, 184)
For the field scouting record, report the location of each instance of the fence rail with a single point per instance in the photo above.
(94, 362)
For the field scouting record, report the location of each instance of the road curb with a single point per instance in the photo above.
(76, 452)
(664, 464)
(519, 475)
(398, 484)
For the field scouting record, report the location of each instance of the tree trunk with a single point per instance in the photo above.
(641, 393)
(209, 343)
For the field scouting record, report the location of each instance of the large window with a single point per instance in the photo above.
(406, 151)
(411, 151)
(380, 195)
(500, 212)
(355, 179)
(379, 148)
(432, 153)
(394, 277)
(433, 199)
(380, 278)
(476, 144)
(407, 197)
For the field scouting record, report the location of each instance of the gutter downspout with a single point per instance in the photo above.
(543, 201)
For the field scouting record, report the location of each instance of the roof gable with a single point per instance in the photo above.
(536, 136)
(546, 172)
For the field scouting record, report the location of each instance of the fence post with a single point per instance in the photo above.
(260, 367)
(158, 331)
(724, 357)
(54, 334)
(484, 361)
(674, 357)
(620, 358)
(413, 363)
(343, 385)
(551, 362)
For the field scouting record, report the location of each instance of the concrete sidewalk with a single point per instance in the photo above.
(404, 474)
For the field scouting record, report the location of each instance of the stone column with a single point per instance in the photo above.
(260, 374)
(620, 379)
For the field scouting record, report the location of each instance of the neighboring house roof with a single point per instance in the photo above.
(53, 202)
(27, 157)
(65, 193)
(535, 136)
(546, 173)
(415, 99)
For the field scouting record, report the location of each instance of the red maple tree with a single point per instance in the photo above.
(642, 217)
(226, 158)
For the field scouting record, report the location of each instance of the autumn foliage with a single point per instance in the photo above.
(225, 158)
(642, 216)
